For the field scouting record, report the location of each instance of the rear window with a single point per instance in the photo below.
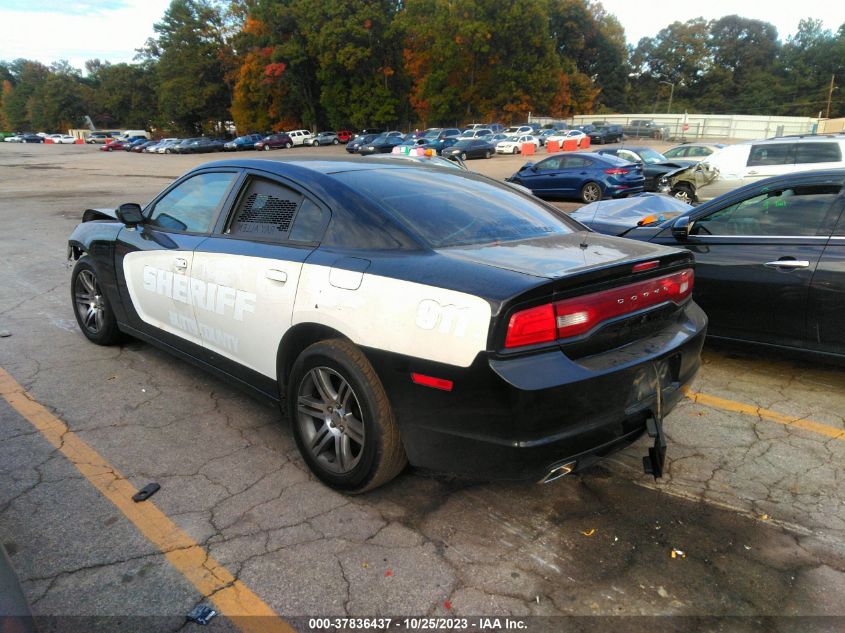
(771, 154)
(818, 153)
(454, 210)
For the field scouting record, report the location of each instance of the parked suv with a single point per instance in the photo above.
(745, 163)
(606, 134)
(300, 137)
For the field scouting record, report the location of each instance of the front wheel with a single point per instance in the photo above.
(288, 145)
(91, 307)
(266, 148)
(684, 193)
(342, 420)
(488, 154)
(335, 142)
(463, 155)
(590, 192)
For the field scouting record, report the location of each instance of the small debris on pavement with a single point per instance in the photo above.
(677, 553)
(5, 333)
(764, 517)
(201, 614)
(146, 492)
(365, 565)
(589, 532)
(388, 573)
(662, 592)
(447, 605)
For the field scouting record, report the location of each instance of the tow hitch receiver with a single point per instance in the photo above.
(653, 462)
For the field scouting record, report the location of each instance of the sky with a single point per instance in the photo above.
(78, 30)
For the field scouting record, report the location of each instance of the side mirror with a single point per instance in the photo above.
(130, 214)
(681, 228)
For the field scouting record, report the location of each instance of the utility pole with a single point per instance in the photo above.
(829, 97)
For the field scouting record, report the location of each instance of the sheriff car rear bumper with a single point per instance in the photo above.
(519, 418)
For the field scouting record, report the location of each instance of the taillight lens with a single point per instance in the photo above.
(576, 316)
(616, 171)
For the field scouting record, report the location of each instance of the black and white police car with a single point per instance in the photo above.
(401, 313)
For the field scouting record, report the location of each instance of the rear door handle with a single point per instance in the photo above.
(276, 275)
(181, 263)
(788, 263)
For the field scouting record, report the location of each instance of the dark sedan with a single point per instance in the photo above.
(471, 148)
(402, 313)
(30, 138)
(655, 165)
(274, 141)
(203, 146)
(242, 143)
(584, 175)
(380, 145)
(770, 260)
(362, 139)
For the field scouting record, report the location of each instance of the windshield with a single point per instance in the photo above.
(449, 209)
(512, 130)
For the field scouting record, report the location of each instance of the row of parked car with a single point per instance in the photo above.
(767, 237)
(41, 137)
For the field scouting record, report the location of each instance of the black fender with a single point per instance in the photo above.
(97, 239)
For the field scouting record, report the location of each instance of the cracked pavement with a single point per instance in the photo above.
(758, 508)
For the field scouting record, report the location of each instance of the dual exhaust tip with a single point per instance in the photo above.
(557, 472)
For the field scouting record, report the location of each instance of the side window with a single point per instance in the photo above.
(549, 164)
(629, 156)
(771, 154)
(310, 222)
(269, 210)
(797, 211)
(193, 204)
(817, 153)
(574, 162)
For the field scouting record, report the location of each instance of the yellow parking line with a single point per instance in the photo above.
(767, 414)
(231, 597)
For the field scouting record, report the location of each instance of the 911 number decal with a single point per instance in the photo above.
(446, 318)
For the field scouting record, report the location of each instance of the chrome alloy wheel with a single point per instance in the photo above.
(90, 304)
(330, 420)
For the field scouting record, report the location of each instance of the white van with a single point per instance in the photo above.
(744, 163)
(130, 133)
(298, 137)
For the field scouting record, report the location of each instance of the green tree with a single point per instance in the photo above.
(479, 59)
(27, 76)
(189, 54)
(58, 101)
(122, 95)
(593, 41)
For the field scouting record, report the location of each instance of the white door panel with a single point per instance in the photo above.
(159, 285)
(251, 308)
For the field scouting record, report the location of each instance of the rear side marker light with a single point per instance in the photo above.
(579, 315)
(431, 381)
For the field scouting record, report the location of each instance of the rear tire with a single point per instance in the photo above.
(488, 154)
(590, 192)
(341, 418)
(288, 145)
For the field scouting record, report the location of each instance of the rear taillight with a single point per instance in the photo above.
(616, 171)
(576, 316)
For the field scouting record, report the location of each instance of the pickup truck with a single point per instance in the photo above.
(642, 128)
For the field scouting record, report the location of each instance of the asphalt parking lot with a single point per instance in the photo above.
(747, 526)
